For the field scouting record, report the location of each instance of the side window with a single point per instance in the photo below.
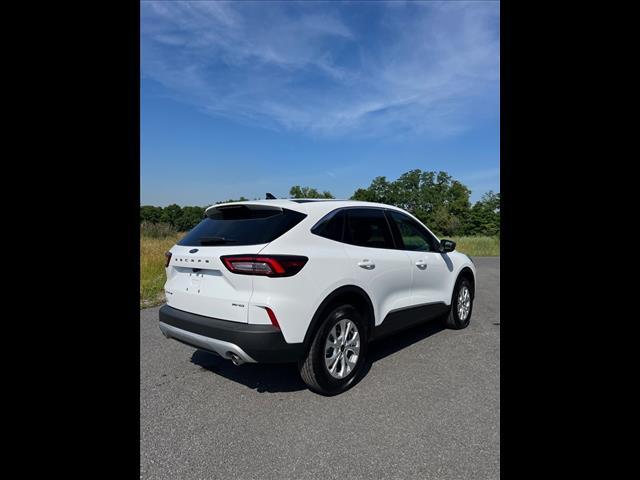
(413, 236)
(367, 227)
(331, 226)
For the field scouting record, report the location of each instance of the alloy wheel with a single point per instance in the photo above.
(342, 349)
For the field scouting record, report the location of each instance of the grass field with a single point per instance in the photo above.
(478, 246)
(152, 275)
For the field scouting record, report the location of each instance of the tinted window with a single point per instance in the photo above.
(414, 236)
(240, 225)
(367, 228)
(331, 226)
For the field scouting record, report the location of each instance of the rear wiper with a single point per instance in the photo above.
(215, 240)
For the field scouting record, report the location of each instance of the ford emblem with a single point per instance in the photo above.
(193, 250)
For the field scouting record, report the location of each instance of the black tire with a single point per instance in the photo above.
(452, 319)
(313, 369)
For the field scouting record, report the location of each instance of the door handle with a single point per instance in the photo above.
(421, 264)
(367, 264)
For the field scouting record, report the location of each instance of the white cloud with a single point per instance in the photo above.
(312, 67)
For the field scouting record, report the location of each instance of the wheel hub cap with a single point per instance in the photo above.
(342, 349)
(464, 303)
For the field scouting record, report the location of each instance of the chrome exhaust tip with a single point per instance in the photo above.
(235, 359)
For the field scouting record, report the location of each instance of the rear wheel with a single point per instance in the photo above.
(337, 352)
(461, 305)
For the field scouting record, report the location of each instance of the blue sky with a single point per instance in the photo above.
(244, 98)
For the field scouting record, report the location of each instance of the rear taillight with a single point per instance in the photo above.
(267, 265)
(167, 259)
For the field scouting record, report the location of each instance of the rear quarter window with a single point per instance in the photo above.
(241, 225)
(331, 226)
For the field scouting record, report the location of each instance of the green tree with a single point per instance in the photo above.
(438, 200)
(307, 192)
(171, 214)
(380, 191)
(190, 217)
(151, 214)
(484, 217)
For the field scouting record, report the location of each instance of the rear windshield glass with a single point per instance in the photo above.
(240, 225)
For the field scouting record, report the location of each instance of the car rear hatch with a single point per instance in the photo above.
(198, 281)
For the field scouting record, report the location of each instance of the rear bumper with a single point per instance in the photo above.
(252, 343)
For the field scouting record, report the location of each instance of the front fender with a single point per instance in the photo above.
(461, 262)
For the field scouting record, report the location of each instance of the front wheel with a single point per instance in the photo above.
(336, 355)
(461, 305)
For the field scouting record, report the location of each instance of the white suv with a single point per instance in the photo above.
(310, 281)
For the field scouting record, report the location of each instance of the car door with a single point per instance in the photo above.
(383, 270)
(430, 268)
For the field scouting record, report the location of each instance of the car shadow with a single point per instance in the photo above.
(262, 377)
(274, 378)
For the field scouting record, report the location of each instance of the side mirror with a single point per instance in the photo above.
(447, 246)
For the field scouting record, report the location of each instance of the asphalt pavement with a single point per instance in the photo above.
(428, 407)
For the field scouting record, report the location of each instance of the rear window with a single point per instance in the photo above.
(331, 226)
(241, 225)
(367, 227)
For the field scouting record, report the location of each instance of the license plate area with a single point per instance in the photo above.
(200, 281)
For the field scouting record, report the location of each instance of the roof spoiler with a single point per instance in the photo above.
(214, 210)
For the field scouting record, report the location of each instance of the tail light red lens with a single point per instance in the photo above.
(167, 259)
(267, 265)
